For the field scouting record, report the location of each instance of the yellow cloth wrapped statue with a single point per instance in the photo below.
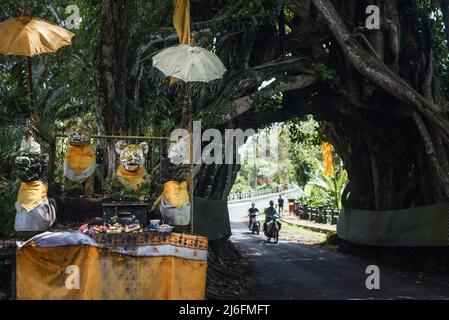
(34, 210)
(31, 194)
(174, 203)
(80, 164)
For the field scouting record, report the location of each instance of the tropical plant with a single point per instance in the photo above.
(332, 186)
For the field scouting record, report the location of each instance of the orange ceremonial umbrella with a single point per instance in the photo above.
(26, 36)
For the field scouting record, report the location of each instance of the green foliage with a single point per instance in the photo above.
(431, 9)
(115, 189)
(254, 171)
(241, 185)
(305, 152)
(313, 196)
(331, 186)
(7, 209)
(307, 159)
(324, 71)
(10, 139)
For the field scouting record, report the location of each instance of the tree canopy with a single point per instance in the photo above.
(379, 96)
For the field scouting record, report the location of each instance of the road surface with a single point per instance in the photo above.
(290, 270)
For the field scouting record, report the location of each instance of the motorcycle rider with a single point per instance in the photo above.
(270, 213)
(252, 213)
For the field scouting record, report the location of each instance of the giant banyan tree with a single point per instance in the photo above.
(379, 93)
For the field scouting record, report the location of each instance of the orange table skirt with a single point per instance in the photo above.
(83, 272)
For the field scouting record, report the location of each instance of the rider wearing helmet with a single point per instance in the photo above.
(252, 213)
(270, 212)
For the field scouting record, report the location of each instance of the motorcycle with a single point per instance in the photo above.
(272, 229)
(254, 225)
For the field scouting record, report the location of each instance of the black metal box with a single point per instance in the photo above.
(125, 213)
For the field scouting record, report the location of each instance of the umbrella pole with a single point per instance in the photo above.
(31, 91)
(189, 104)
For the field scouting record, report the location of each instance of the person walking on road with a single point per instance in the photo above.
(281, 204)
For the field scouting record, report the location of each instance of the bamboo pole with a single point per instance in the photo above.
(31, 89)
(189, 104)
(60, 135)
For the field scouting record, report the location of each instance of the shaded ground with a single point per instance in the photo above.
(301, 269)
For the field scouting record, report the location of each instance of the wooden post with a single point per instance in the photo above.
(189, 104)
(31, 89)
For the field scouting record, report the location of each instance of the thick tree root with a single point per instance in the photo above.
(225, 274)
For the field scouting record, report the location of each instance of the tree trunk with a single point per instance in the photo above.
(113, 96)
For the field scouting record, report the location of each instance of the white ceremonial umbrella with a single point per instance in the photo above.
(190, 64)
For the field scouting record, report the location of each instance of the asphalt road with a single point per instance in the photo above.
(290, 270)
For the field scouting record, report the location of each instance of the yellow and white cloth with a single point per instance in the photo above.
(174, 203)
(33, 210)
(132, 180)
(31, 194)
(79, 163)
(172, 267)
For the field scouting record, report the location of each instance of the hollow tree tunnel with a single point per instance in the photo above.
(376, 91)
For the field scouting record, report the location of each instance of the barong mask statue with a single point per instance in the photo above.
(34, 211)
(78, 139)
(131, 171)
(79, 164)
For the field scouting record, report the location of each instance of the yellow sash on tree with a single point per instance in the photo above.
(326, 149)
(181, 22)
(134, 179)
(31, 194)
(79, 158)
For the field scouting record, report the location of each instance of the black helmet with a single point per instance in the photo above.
(271, 203)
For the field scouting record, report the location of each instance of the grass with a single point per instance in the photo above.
(292, 228)
(297, 229)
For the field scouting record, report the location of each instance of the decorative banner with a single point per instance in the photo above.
(326, 149)
(181, 20)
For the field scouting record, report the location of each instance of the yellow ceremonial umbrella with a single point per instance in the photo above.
(26, 36)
